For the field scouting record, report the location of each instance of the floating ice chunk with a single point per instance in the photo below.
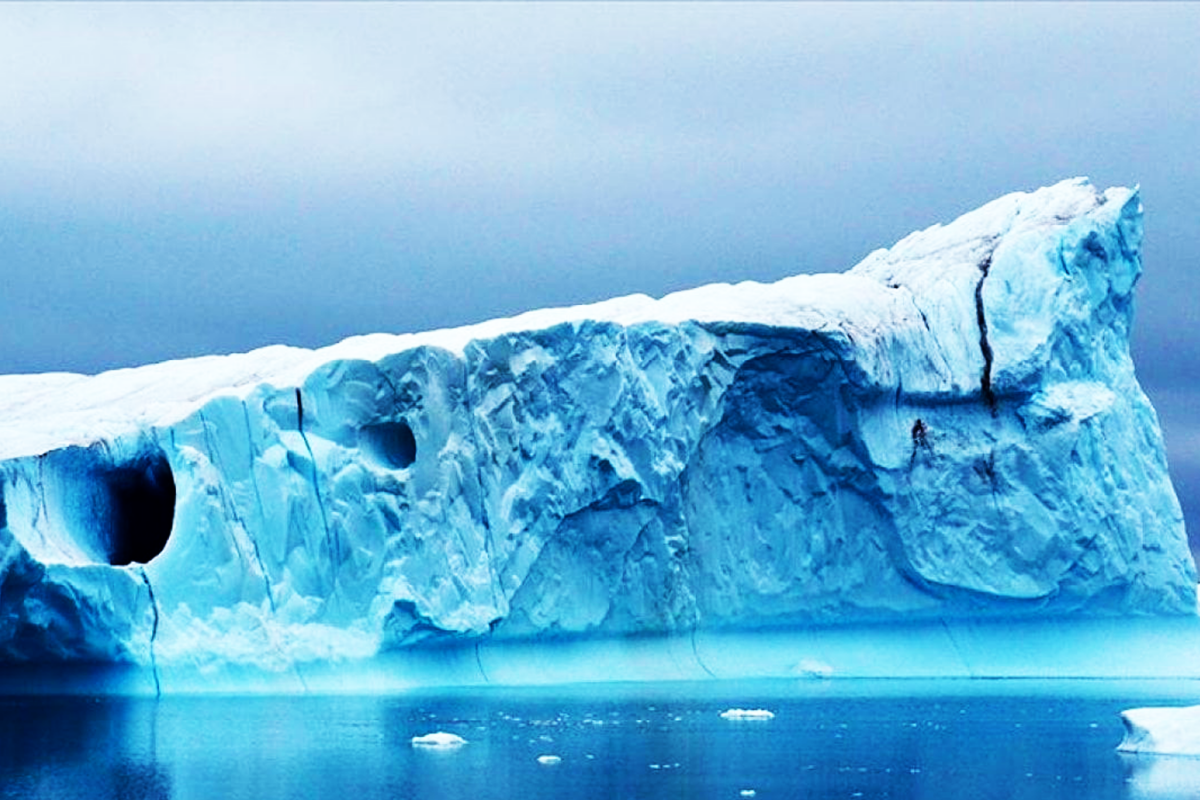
(439, 739)
(549, 759)
(747, 793)
(1162, 731)
(747, 713)
(813, 668)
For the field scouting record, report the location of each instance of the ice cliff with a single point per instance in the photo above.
(953, 427)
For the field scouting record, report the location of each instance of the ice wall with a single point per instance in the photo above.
(953, 428)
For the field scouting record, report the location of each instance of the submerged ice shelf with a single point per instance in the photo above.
(952, 430)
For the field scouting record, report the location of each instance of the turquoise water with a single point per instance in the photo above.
(828, 739)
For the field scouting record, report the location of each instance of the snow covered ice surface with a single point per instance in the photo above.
(950, 430)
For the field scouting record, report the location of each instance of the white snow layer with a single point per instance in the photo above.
(1162, 731)
(953, 427)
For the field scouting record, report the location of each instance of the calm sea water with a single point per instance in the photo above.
(828, 740)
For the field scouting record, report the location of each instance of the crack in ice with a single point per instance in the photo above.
(985, 347)
(330, 535)
(153, 631)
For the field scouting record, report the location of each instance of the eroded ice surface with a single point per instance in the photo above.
(952, 429)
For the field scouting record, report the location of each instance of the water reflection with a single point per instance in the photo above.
(648, 742)
(1162, 778)
(72, 747)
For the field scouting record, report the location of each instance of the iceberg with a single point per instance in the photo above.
(1162, 731)
(952, 429)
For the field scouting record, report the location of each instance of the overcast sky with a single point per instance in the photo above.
(195, 178)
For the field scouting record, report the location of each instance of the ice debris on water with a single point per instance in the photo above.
(439, 740)
(747, 714)
(549, 759)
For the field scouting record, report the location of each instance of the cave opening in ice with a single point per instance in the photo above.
(392, 443)
(141, 508)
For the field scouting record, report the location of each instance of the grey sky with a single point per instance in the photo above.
(194, 178)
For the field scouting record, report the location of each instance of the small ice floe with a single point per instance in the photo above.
(1162, 731)
(439, 740)
(549, 759)
(747, 793)
(813, 668)
(747, 713)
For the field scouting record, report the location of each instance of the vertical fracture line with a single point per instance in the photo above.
(479, 664)
(214, 457)
(312, 460)
(484, 516)
(231, 503)
(262, 567)
(153, 631)
(985, 347)
(957, 650)
(696, 655)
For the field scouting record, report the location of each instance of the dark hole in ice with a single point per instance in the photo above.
(392, 443)
(141, 496)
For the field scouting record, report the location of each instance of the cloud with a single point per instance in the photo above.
(527, 97)
(169, 92)
(167, 161)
